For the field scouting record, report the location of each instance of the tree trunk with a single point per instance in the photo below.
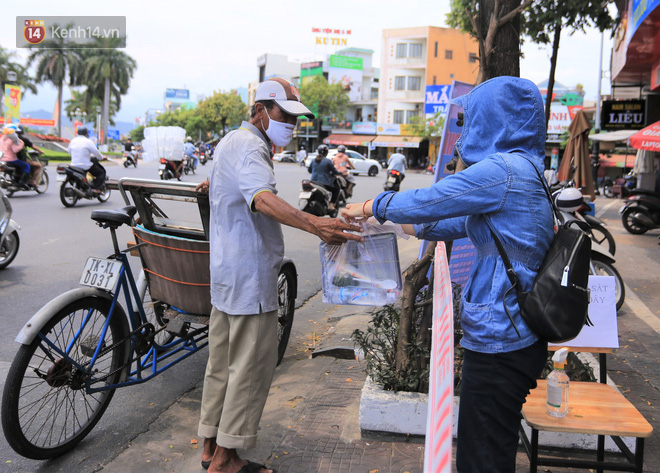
(553, 68)
(59, 110)
(501, 54)
(106, 110)
(413, 280)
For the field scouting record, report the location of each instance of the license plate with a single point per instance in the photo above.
(391, 179)
(102, 273)
(305, 195)
(162, 166)
(61, 177)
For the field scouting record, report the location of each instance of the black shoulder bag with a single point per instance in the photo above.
(555, 308)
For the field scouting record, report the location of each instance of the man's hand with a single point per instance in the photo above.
(331, 231)
(203, 187)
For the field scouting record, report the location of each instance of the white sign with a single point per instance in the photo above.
(604, 333)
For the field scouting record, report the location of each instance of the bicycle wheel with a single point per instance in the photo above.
(603, 268)
(46, 407)
(600, 235)
(286, 298)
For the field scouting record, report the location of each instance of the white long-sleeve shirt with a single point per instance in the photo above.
(81, 150)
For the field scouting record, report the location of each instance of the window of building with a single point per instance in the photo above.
(472, 58)
(400, 83)
(401, 50)
(410, 114)
(435, 54)
(434, 79)
(414, 82)
(398, 117)
(415, 50)
(448, 54)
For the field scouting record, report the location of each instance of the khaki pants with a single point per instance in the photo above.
(242, 360)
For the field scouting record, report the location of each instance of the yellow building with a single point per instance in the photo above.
(413, 58)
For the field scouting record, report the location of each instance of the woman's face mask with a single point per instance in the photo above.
(278, 132)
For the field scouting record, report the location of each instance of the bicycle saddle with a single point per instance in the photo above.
(115, 217)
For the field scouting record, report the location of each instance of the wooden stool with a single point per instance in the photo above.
(594, 408)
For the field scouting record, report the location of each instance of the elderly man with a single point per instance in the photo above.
(247, 248)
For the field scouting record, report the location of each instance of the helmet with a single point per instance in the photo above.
(569, 199)
(341, 149)
(83, 131)
(302, 146)
(188, 138)
(322, 150)
(9, 129)
(19, 129)
(399, 150)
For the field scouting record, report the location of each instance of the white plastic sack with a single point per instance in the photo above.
(163, 142)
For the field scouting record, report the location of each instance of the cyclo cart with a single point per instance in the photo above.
(83, 345)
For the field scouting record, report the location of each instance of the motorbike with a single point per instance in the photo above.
(189, 165)
(570, 200)
(167, 170)
(602, 261)
(9, 241)
(203, 157)
(392, 181)
(315, 199)
(641, 213)
(130, 159)
(77, 184)
(10, 178)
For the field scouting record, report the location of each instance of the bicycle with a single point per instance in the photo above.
(81, 346)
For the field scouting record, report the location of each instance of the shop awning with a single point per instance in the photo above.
(617, 161)
(618, 135)
(348, 140)
(389, 141)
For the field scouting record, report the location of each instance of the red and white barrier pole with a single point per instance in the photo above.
(437, 455)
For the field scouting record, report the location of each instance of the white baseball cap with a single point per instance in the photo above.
(284, 94)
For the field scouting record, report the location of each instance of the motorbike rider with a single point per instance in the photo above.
(35, 166)
(189, 150)
(302, 155)
(84, 155)
(129, 148)
(397, 162)
(323, 172)
(11, 145)
(202, 149)
(343, 164)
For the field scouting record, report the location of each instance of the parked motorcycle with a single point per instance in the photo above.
(570, 199)
(641, 213)
(77, 184)
(10, 178)
(9, 241)
(315, 199)
(393, 180)
(130, 159)
(167, 170)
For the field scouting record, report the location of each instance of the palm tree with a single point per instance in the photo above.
(107, 71)
(83, 102)
(55, 58)
(23, 80)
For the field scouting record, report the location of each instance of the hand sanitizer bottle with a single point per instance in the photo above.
(557, 392)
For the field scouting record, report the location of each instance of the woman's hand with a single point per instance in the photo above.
(354, 211)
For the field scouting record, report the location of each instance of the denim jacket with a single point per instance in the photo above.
(502, 143)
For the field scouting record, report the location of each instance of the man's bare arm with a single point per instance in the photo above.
(330, 230)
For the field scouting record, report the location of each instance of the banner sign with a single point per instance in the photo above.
(179, 94)
(623, 115)
(389, 129)
(440, 412)
(309, 70)
(437, 98)
(364, 128)
(331, 36)
(561, 117)
(347, 71)
(12, 103)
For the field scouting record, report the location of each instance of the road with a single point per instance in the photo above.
(55, 243)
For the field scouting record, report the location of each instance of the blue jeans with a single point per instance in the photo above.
(493, 389)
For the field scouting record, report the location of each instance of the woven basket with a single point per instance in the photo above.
(177, 270)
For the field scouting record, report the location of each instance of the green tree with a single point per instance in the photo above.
(8, 63)
(427, 127)
(325, 100)
(496, 25)
(106, 71)
(137, 134)
(83, 102)
(220, 112)
(55, 59)
(546, 18)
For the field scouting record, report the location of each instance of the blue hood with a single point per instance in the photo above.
(515, 122)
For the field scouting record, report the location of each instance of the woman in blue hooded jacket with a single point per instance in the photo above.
(502, 147)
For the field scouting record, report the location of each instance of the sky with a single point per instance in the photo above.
(208, 46)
